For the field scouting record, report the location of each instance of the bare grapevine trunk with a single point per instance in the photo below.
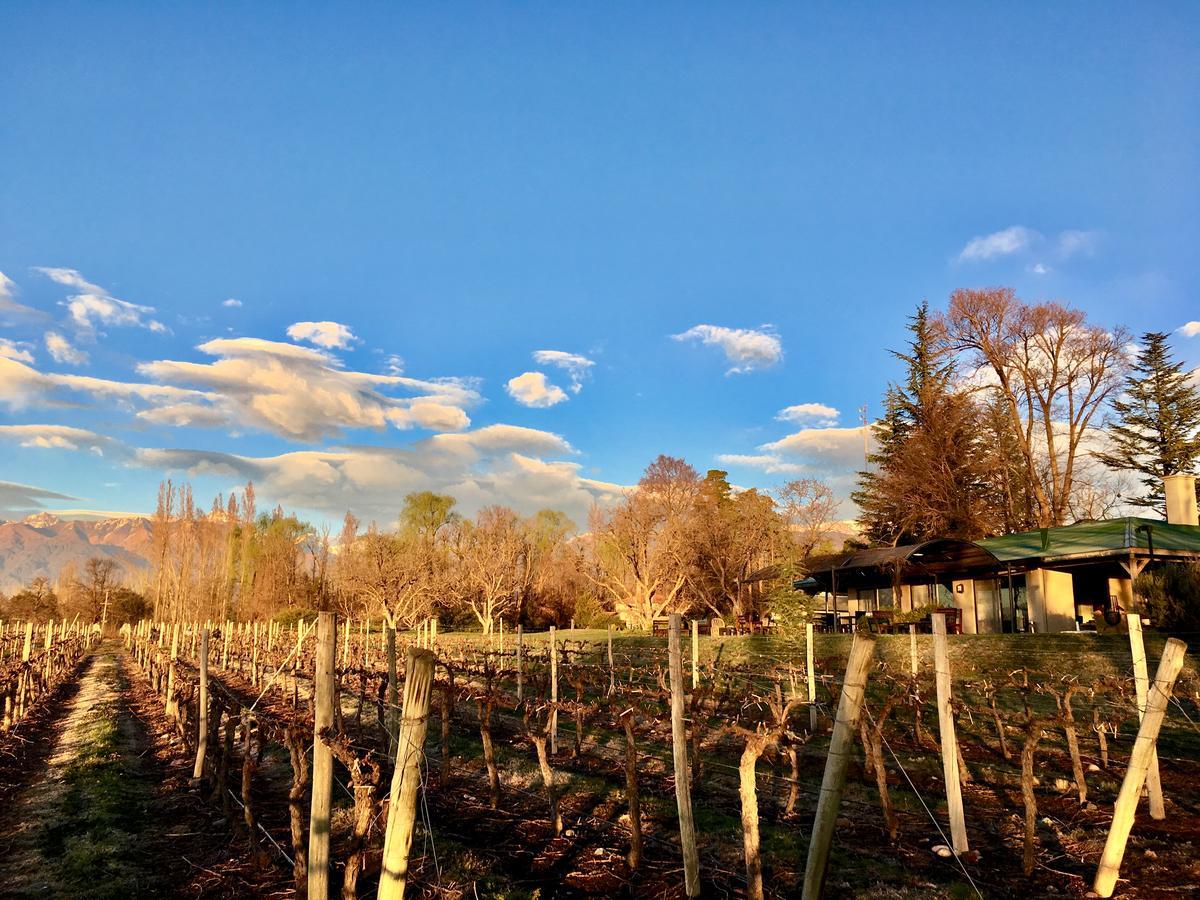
(631, 793)
(748, 789)
(489, 756)
(1031, 742)
(539, 743)
(299, 758)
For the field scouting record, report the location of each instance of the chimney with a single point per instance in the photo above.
(1181, 499)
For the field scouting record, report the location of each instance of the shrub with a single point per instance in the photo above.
(1170, 597)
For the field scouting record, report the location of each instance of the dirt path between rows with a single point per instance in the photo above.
(109, 814)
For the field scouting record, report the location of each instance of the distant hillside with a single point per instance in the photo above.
(43, 544)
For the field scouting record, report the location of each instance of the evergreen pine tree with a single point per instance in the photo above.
(1159, 416)
(928, 475)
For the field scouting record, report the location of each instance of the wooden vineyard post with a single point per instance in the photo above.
(1139, 765)
(225, 645)
(1141, 680)
(841, 746)
(612, 676)
(202, 735)
(406, 778)
(912, 650)
(812, 677)
(393, 713)
(683, 792)
(520, 662)
(432, 632)
(695, 654)
(170, 703)
(958, 824)
(553, 693)
(322, 764)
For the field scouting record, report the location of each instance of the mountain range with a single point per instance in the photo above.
(43, 544)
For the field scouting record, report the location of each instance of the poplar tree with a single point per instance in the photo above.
(1158, 419)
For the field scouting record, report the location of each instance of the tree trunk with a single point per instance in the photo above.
(633, 797)
(748, 789)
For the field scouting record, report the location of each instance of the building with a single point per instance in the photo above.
(1044, 581)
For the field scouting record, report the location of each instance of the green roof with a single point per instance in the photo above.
(1094, 538)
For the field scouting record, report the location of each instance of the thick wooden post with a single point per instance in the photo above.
(912, 651)
(406, 779)
(553, 693)
(520, 662)
(683, 793)
(202, 736)
(1139, 765)
(812, 677)
(958, 824)
(841, 746)
(695, 654)
(322, 764)
(1141, 681)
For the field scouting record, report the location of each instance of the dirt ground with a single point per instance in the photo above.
(108, 812)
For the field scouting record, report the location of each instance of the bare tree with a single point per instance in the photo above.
(1054, 372)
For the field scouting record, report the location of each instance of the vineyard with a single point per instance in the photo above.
(334, 757)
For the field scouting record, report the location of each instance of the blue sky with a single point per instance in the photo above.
(462, 186)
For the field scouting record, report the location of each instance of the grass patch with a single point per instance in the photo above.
(91, 837)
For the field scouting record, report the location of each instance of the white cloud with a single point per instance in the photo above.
(330, 335)
(15, 350)
(94, 305)
(769, 463)
(59, 437)
(393, 364)
(575, 365)
(816, 414)
(499, 464)
(20, 499)
(22, 386)
(999, 243)
(1040, 269)
(61, 351)
(1077, 243)
(532, 389)
(746, 348)
(830, 449)
(1190, 329)
(8, 303)
(304, 394)
(232, 303)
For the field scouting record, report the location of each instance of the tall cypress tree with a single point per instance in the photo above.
(927, 476)
(1159, 416)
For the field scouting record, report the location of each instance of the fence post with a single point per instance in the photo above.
(202, 735)
(695, 654)
(683, 793)
(912, 650)
(841, 745)
(520, 662)
(612, 677)
(1139, 764)
(322, 764)
(958, 825)
(406, 778)
(393, 713)
(812, 677)
(553, 693)
(170, 704)
(1141, 680)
